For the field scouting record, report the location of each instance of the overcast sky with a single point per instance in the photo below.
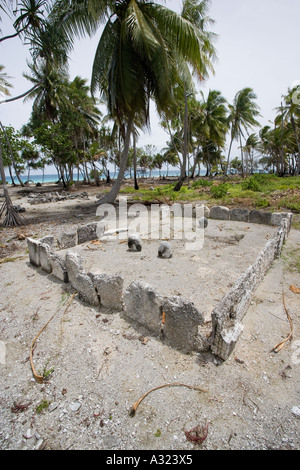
(257, 46)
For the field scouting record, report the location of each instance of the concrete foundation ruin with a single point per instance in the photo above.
(174, 319)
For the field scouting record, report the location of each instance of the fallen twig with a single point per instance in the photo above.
(136, 404)
(40, 378)
(280, 345)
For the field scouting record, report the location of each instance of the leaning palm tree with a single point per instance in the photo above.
(142, 46)
(12, 217)
(242, 116)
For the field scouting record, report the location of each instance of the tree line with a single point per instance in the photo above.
(146, 52)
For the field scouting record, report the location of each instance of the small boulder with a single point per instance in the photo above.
(134, 242)
(203, 222)
(164, 250)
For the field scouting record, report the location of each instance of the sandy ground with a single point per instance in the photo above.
(98, 365)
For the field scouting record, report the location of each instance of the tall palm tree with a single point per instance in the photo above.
(195, 12)
(137, 58)
(290, 112)
(243, 113)
(249, 148)
(212, 125)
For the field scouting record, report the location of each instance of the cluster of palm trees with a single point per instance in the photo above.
(146, 52)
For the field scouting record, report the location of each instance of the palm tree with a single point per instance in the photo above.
(195, 12)
(48, 93)
(290, 112)
(243, 113)
(4, 83)
(137, 59)
(31, 17)
(250, 147)
(12, 217)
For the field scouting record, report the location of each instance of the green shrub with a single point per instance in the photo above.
(262, 203)
(201, 184)
(251, 184)
(219, 191)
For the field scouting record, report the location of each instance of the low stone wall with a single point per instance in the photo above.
(175, 320)
(228, 315)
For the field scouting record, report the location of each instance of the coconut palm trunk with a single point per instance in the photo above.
(185, 146)
(12, 217)
(136, 185)
(110, 197)
(298, 144)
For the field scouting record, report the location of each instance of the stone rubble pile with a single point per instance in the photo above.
(42, 198)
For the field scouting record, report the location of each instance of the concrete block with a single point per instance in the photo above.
(59, 269)
(277, 217)
(87, 233)
(74, 267)
(100, 229)
(48, 240)
(240, 215)
(281, 236)
(181, 322)
(109, 288)
(200, 210)
(260, 217)
(45, 253)
(224, 345)
(85, 288)
(34, 252)
(68, 240)
(219, 212)
(265, 259)
(143, 305)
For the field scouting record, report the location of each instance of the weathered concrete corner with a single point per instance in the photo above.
(34, 252)
(45, 253)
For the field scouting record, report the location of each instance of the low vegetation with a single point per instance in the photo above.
(261, 191)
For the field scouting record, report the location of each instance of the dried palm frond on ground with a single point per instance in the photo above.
(136, 404)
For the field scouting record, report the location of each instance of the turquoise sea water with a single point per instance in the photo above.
(53, 178)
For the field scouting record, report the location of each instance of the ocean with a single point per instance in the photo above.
(53, 178)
